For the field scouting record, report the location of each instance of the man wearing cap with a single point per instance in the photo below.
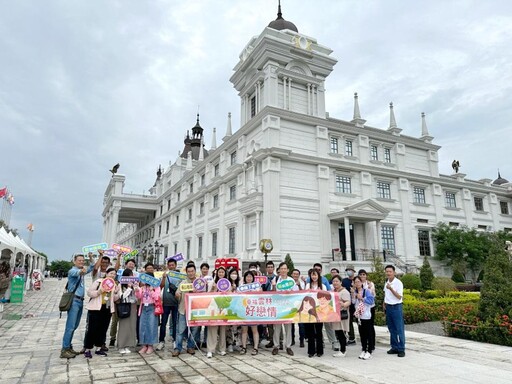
(347, 283)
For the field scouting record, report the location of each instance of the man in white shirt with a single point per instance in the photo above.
(283, 275)
(393, 298)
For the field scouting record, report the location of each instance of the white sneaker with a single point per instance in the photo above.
(127, 350)
(361, 356)
(222, 353)
(160, 346)
(230, 348)
(122, 351)
(367, 355)
(209, 355)
(338, 354)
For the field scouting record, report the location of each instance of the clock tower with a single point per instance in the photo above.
(282, 68)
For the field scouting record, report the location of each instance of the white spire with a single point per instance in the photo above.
(357, 113)
(189, 161)
(214, 140)
(392, 120)
(228, 129)
(201, 154)
(393, 128)
(424, 130)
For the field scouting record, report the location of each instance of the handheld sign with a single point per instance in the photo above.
(130, 255)
(121, 248)
(108, 284)
(186, 287)
(110, 253)
(285, 285)
(261, 279)
(223, 285)
(249, 287)
(129, 280)
(199, 284)
(229, 262)
(177, 257)
(94, 247)
(149, 280)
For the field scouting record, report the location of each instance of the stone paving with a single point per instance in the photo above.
(31, 336)
(30, 348)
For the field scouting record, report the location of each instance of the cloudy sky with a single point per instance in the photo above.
(87, 84)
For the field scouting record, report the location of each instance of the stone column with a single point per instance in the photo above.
(348, 247)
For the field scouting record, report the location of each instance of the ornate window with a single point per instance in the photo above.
(343, 184)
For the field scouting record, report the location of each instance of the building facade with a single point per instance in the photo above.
(323, 189)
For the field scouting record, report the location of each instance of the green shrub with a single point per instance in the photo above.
(411, 281)
(426, 275)
(443, 284)
(496, 293)
(458, 277)
(378, 277)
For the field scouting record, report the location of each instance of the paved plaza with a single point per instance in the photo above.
(31, 335)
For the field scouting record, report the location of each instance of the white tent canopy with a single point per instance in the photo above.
(14, 242)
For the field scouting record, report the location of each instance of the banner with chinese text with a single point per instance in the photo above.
(261, 308)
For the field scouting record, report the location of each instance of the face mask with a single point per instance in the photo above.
(233, 277)
(350, 273)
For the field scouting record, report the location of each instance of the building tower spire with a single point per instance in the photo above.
(214, 140)
(424, 130)
(357, 120)
(393, 128)
(228, 128)
(201, 152)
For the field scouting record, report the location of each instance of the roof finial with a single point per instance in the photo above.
(279, 13)
(424, 129)
(499, 176)
(228, 128)
(357, 113)
(214, 140)
(357, 120)
(201, 150)
(392, 120)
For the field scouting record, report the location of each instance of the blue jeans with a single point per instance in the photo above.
(173, 312)
(72, 322)
(182, 332)
(395, 323)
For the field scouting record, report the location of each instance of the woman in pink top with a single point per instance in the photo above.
(148, 322)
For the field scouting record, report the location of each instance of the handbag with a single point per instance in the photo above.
(159, 309)
(67, 297)
(123, 309)
(344, 314)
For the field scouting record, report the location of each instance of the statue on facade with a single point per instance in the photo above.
(456, 165)
(114, 169)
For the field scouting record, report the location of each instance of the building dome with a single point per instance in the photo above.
(194, 144)
(500, 180)
(280, 23)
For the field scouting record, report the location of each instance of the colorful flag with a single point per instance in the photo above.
(31, 227)
(10, 199)
(3, 192)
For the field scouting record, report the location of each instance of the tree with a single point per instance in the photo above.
(464, 249)
(62, 265)
(289, 262)
(496, 293)
(378, 277)
(426, 275)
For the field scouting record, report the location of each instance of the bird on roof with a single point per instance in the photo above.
(114, 169)
(456, 165)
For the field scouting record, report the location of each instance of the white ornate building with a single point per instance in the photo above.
(323, 189)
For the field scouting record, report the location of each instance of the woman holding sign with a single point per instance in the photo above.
(148, 321)
(215, 331)
(314, 330)
(102, 293)
(127, 334)
(249, 279)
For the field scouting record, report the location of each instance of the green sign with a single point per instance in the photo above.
(17, 287)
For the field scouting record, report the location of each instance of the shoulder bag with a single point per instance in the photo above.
(123, 308)
(67, 297)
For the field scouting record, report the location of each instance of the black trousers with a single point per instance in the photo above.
(351, 311)
(340, 335)
(314, 335)
(97, 326)
(367, 333)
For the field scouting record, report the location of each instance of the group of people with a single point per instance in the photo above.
(149, 313)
